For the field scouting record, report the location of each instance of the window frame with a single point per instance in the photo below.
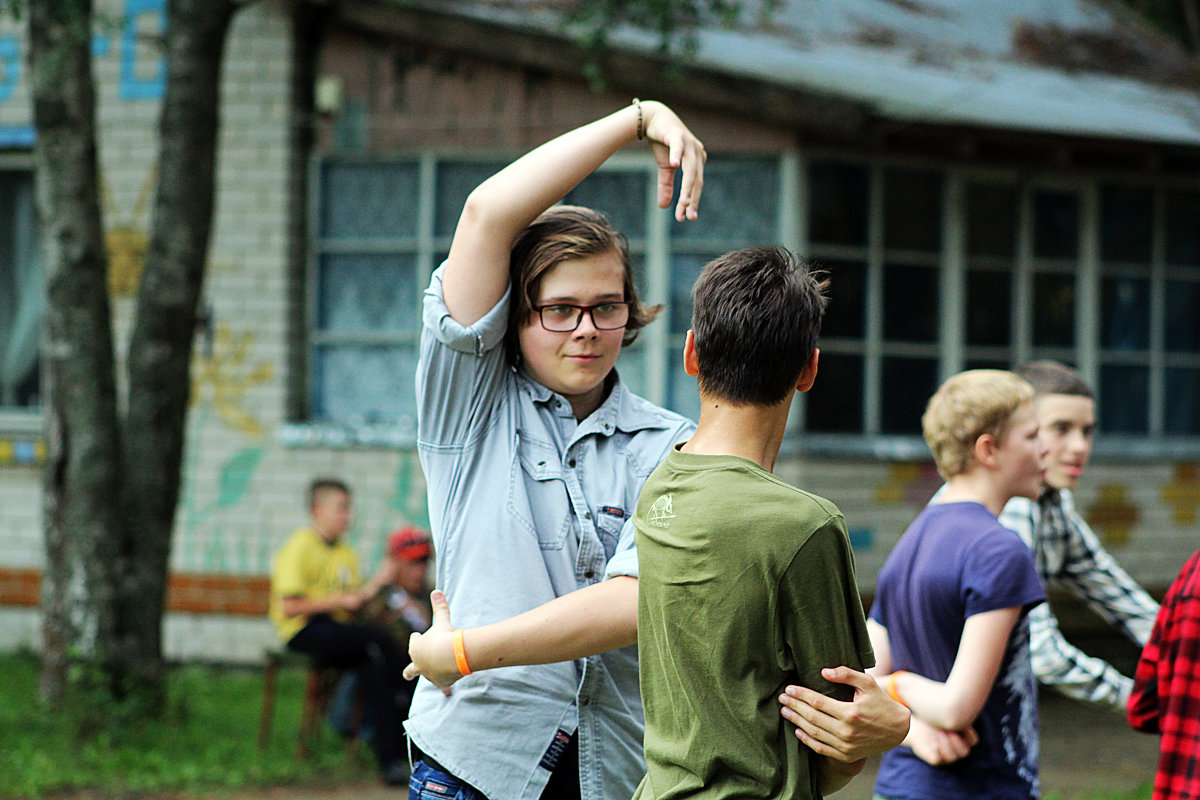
(17, 419)
(656, 249)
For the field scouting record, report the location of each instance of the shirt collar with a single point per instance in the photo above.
(621, 409)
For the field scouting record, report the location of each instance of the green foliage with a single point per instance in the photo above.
(674, 21)
(1179, 19)
(205, 739)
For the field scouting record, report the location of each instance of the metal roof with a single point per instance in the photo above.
(1069, 67)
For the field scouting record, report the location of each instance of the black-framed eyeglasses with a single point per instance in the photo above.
(565, 317)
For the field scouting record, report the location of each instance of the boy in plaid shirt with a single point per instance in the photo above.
(1166, 688)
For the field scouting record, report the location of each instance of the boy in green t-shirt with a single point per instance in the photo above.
(746, 583)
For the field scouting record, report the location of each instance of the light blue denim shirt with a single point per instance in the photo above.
(525, 506)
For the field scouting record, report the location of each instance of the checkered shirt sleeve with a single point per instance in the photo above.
(1069, 555)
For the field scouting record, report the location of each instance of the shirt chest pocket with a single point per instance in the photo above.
(537, 494)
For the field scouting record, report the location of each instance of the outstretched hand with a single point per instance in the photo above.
(846, 731)
(675, 148)
(432, 652)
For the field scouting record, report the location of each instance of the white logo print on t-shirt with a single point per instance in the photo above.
(661, 512)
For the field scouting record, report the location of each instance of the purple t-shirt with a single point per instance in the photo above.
(956, 560)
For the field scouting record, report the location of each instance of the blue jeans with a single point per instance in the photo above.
(430, 783)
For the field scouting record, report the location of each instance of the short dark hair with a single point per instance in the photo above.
(1052, 377)
(558, 234)
(756, 314)
(322, 485)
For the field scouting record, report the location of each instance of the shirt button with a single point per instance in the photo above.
(584, 701)
(589, 574)
(587, 515)
(571, 463)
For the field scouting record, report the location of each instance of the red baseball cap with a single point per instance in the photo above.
(409, 542)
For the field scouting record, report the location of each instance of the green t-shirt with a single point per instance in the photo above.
(746, 584)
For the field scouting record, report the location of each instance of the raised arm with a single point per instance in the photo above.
(582, 623)
(499, 208)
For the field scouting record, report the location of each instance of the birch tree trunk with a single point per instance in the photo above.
(82, 479)
(112, 480)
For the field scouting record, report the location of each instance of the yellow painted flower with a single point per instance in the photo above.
(126, 242)
(1113, 514)
(1182, 494)
(223, 379)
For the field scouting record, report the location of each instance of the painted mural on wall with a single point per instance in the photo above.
(222, 377)
(130, 38)
(128, 240)
(911, 483)
(1182, 493)
(1113, 515)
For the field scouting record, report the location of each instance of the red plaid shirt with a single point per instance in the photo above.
(1166, 689)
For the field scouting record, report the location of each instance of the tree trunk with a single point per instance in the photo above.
(111, 485)
(82, 479)
(160, 349)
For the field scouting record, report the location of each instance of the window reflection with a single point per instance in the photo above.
(1126, 223)
(684, 271)
(912, 201)
(617, 195)
(1182, 228)
(838, 194)
(741, 203)
(1124, 398)
(1125, 313)
(910, 303)
(908, 384)
(368, 199)
(991, 220)
(835, 403)
(989, 308)
(1182, 329)
(454, 181)
(1055, 224)
(1054, 310)
(846, 313)
(1183, 406)
(368, 292)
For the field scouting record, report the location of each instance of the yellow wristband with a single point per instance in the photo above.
(460, 654)
(891, 687)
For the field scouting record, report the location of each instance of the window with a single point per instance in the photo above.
(933, 270)
(382, 226)
(22, 293)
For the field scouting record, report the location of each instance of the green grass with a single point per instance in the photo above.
(1141, 793)
(207, 739)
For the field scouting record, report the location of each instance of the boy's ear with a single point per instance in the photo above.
(985, 450)
(691, 363)
(809, 373)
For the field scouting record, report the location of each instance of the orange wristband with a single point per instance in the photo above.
(891, 687)
(460, 654)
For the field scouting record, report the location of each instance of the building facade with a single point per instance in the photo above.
(1033, 209)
